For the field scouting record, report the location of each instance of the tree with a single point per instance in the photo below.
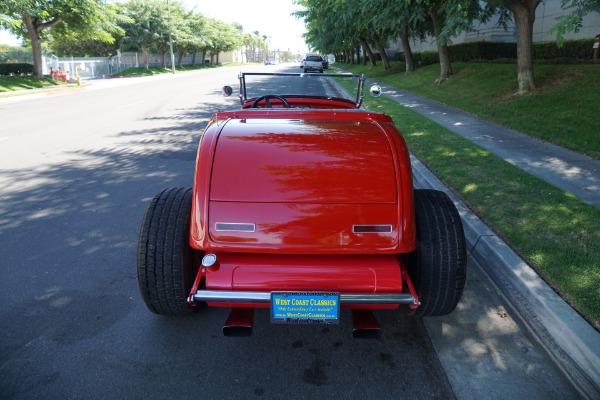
(194, 36)
(228, 38)
(76, 43)
(148, 26)
(34, 20)
(572, 21)
(523, 13)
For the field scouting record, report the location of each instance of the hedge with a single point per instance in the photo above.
(572, 51)
(16, 69)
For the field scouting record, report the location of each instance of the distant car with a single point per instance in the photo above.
(303, 204)
(270, 62)
(313, 62)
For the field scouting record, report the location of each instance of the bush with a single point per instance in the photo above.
(571, 49)
(572, 52)
(422, 58)
(482, 51)
(16, 69)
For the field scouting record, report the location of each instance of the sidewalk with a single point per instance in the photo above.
(565, 169)
(571, 342)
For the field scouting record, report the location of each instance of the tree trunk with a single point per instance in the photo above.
(444, 54)
(524, 14)
(36, 42)
(381, 49)
(163, 59)
(408, 56)
(368, 52)
(194, 58)
(36, 48)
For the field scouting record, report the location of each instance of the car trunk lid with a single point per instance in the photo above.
(302, 161)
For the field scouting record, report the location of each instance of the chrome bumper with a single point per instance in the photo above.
(219, 296)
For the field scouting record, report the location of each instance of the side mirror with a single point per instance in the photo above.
(376, 91)
(227, 91)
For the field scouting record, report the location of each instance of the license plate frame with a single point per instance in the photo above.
(305, 308)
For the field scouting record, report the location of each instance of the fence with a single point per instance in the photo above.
(15, 55)
(91, 67)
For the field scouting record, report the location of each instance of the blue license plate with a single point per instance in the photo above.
(305, 308)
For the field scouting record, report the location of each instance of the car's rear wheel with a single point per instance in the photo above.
(165, 261)
(439, 265)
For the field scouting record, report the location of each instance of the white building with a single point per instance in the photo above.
(545, 18)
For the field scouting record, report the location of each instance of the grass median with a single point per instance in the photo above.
(554, 232)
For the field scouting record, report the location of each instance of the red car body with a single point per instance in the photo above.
(301, 195)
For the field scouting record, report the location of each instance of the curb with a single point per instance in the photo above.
(570, 341)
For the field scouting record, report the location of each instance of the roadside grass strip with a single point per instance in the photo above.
(141, 71)
(562, 110)
(13, 83)
(554, 232)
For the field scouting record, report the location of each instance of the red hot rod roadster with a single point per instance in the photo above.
(302, 203)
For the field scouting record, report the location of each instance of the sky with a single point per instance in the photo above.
(270, 18)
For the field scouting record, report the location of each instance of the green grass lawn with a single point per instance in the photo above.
(556, 233)
(15, 83)
(563, 110)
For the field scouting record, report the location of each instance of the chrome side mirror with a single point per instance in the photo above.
(227, 91)
(376, 91)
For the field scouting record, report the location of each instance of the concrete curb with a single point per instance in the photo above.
(572, 343)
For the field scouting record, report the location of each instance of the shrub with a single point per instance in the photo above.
(571, 49)
(16, 69)
(572, 52)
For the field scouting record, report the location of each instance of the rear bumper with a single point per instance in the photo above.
(247, 280)
(216, 296)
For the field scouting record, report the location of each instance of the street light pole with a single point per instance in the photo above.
(172, 55)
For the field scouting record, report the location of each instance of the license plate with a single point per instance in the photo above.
(305, 308)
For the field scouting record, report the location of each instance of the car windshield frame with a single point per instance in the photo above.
(331, 78)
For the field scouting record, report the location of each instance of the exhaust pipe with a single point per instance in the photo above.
(365, 325)
(239, 323)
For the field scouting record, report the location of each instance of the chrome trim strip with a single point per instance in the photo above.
(265, 297)
(234, 227)
(373, 228)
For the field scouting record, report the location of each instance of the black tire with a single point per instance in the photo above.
(165, 261)
(438, 268)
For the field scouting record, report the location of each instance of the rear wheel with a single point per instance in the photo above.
(439, 265)
(165, 261)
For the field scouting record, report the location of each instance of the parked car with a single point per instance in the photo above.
(303, 204)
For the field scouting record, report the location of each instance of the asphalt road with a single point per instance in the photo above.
(77, 170)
